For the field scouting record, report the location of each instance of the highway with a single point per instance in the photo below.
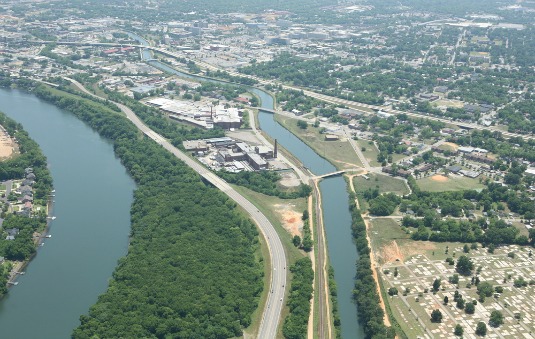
(275, 300)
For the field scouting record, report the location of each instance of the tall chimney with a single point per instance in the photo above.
(275, 149)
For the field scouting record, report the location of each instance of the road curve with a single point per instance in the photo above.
(275, 300)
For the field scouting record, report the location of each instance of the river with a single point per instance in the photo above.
(92, 206)
(335, 200)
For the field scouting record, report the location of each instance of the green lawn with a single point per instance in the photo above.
(383, 182)
(370, 153)
(448, 147)
(454, 183)
(267, 205)
(339, 153)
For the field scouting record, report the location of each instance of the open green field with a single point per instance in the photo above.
(448, 147)
(453, 183)
(339, 153)
(269, 206)
(370, 153)
(383, 231)
(385, 184)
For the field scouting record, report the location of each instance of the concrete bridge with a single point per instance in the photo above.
(333, 174)
(327, 175)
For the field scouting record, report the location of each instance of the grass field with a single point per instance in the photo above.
(383, 232)
(370, 153)
(267, 205)
(452, 183)
(449, 147)
(383, 182)
(339, 153)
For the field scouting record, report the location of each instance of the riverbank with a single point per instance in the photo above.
(27, 183)
(18, 269)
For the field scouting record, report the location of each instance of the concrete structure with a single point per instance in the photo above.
(264, 152)
(256, 161)
(195, 145)
(530, 172)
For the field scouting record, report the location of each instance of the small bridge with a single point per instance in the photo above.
(327, 175)
(265, 109)
(333, 174)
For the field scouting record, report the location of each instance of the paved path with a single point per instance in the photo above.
(275, 301)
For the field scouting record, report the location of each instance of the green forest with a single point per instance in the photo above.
(265, 182)
(191, 269)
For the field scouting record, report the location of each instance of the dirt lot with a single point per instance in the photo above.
(291, 219)
(289, 179)
(439, 178)
(6, 145)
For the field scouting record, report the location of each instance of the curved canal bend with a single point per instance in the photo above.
(335, 201)
(90, 234)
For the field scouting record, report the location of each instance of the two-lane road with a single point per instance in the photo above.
(275, 300)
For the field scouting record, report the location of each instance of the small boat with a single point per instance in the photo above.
(22, 273)
(49, 236)
(53, 191)
(42, 244)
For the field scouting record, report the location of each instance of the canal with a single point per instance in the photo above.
(335, 200)
(92, 206)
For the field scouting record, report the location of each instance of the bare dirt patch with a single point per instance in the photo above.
(452, 145)
(291, 219)
(289, 179)
(439, 178)
(6, 145)
(390, 253)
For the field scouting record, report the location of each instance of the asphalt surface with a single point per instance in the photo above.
(276, 293)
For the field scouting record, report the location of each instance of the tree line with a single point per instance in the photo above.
(265, 182)
(296, 323)
(370, 313)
